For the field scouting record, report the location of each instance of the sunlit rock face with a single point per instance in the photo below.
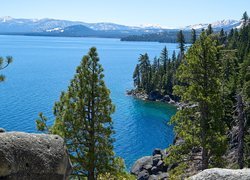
(33, 156)
(222, 174)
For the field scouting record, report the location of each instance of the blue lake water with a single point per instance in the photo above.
(43, 67)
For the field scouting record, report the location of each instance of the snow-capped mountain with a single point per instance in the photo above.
(103, 26)
(9, 24)
(21, 26)
(225, 24)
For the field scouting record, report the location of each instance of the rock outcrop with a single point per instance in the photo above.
(222, 174)
(155, 96)
(33, 156)
(151, 167)
(154, 168)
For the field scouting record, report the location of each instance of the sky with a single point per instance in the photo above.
(167, 13)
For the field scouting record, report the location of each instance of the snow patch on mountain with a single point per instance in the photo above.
(57, 29)
(226, 24)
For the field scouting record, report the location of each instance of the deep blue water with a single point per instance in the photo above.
(43, 67)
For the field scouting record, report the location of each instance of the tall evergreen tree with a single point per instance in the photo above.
(245, 19)
(83, 119)
(156, 75)
(164, 58)
(222, 36)
(181, 41)
(246, 101)
(228, 78)
(145, 68)
(230, 34)
(136, 77)
(209, 29)
(201, 125)
(194, 36)
(241, 131)
(243, 112)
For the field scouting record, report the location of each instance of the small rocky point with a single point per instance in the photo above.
(33, 156)
(155, 96)
(222, 174)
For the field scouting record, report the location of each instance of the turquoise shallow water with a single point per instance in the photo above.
(43, 67)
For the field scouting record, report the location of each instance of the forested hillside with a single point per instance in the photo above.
(212, 80)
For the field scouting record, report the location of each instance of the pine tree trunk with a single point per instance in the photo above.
(91, 175)
(240, 110)
(92, 165)
(204, 164)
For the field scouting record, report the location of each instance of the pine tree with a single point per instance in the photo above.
(230, 35)
(145, 68)
(246, 109)
(136, 77)
(228, 77)
(164, 59)
(209, 29)
(245, 19)
(241, 130)
(181, 41)
(4, 63)
(193, 39)
(156, 74)
(243, 112)
(199, 125)
(83, 119)
(222, 37)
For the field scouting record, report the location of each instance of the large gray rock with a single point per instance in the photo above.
(222, 174)
(140, 163)
(33, 156)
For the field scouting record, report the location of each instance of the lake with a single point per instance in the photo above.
(44, 66)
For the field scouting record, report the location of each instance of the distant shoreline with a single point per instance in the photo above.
(50, 35)
(47, 35)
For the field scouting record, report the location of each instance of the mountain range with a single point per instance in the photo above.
(54, 27)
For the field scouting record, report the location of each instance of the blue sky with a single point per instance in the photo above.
(168, 13)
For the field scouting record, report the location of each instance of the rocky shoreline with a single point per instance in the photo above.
(155, 96)
(151, 167)
(154, 168)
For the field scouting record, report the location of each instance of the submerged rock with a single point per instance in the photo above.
(33, 156)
